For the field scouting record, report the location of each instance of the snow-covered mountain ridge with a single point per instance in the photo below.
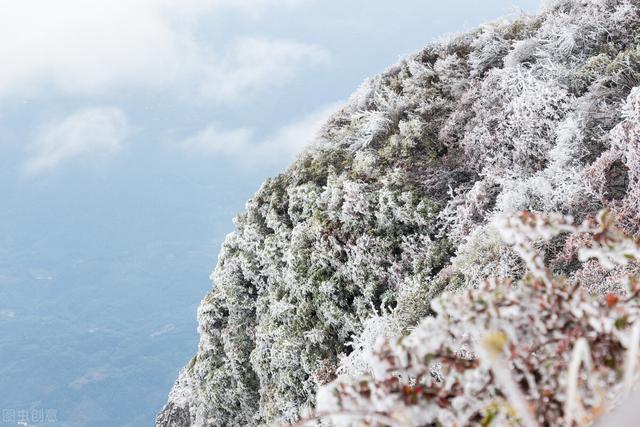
(394, 204)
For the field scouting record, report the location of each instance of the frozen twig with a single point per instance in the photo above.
(573, 409)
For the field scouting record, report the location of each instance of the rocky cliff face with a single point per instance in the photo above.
(393, 204)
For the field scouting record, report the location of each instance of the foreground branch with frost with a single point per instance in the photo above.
(536, 352)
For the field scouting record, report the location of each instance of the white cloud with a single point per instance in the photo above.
(86, 134)
(215, 140)
(166, 329)
(280, 147)
(84, 47)
(7, 314)
(253, 8)
(254, 63)
(91, 376)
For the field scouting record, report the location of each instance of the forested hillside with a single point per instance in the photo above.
(399, 201)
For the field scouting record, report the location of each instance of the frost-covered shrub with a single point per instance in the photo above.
(504, 354)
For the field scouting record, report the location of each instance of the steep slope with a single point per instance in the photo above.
(391, 206)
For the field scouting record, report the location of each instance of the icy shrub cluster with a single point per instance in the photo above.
(397, 202)
(503, 354)
(308, 264)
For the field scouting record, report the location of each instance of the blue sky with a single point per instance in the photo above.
(131, 132)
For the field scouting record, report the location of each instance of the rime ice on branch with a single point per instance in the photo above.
(506, 353)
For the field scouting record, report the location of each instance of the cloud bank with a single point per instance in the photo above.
(87, 134)
(81, 47)
(241, 145)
